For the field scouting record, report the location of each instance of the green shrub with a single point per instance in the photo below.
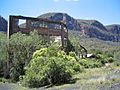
(110, 59)
(50, 66)
(105, 58)
(117, 58)
(21, 48)
(99, 61)
(3, 54)
(90, 63)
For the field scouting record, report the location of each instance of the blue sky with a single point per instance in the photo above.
(105, 11)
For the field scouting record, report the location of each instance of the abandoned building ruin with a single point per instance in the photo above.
(44, 27)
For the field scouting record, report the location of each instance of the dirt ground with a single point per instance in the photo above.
(105, 78)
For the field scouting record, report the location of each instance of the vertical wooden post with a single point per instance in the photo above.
(6, 71)
(8, 28)
(62, 37)
(48, 36)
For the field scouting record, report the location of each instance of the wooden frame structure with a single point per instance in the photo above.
(43, 26)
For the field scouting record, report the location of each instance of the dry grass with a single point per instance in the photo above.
(93, 79)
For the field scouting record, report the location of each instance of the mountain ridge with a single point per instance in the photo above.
(89, 28)
(3, 24)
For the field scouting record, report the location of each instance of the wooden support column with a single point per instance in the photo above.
(48, 36)
(62, 36)
(28, 24)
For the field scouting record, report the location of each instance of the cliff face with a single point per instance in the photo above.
(93, 28)
(3, 24)
(115, 29)
(89, 28)
(71, 23)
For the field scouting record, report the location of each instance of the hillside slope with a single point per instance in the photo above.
(93, 43)
(71, 23)
(89, 28)
(95, 29)
(115, 28)
(3, 24)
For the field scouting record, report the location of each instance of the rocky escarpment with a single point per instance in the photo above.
(89, 28)
(93, 28)
(3, 24)
(71, 23)
(115, 28)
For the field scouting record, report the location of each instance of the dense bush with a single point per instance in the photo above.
(117, 58)
(16, 54)
(21, 48)
(50, 66)
(90, 63)
(3, 53)
(98, 61)
(105, 58)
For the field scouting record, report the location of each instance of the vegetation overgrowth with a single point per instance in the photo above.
(28, 59)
